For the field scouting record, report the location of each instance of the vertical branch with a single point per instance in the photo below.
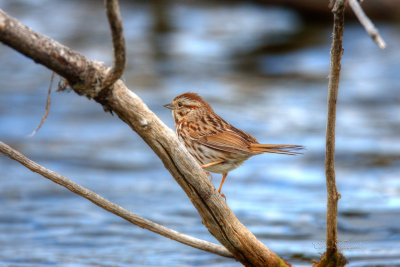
(118, 40)
(332, 257)
(334, 77)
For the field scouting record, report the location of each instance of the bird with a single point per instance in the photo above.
(218, 146)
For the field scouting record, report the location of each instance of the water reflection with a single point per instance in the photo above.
(261, 68)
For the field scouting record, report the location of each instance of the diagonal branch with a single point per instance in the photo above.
(83, 76)
(367, 23)
(111, 207)
(118, 40)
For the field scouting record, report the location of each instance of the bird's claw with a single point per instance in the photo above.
(209, 175)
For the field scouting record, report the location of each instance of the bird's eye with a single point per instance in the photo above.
(180, 104)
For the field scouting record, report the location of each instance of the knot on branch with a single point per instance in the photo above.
(331, 259)
(91, 84)
(144, 123)
(103, 98)
(89, 79)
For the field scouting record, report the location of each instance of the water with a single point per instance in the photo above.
(264, 70)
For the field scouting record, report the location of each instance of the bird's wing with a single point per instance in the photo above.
(228, 141)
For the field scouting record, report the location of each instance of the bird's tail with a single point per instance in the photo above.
(277, 149)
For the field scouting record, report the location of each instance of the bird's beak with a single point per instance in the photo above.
(170, 106)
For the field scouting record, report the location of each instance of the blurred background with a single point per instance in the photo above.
(263, 67)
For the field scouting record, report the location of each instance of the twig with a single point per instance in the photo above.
(118, 40)
(334, 77)
(332, 257)
(367, 23)
(111, 207)
(47, 106)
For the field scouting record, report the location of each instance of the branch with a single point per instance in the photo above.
(114, 19)
(83, 75)
(333, 87)
(111, 207)
(331, 256)
(367, 23)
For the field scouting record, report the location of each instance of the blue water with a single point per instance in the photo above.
(263, 69)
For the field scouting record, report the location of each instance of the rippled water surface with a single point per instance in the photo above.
(263, 69)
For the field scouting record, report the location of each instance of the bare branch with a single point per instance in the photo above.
(83, 76)
(48, 102)
(118, 40)
(367, 23)
(111, 207)
(331, 256)
(334, 77)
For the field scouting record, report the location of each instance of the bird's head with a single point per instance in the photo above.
(187, 106)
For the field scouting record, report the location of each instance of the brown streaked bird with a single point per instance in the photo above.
(213, 142)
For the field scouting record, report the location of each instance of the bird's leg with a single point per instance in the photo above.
(220, 186)
(212, 163)
(223, 177)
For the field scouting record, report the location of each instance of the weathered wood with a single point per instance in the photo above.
(85, 77)
(332, 257)
(112, 207)
(118, 40)
(333, 87)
